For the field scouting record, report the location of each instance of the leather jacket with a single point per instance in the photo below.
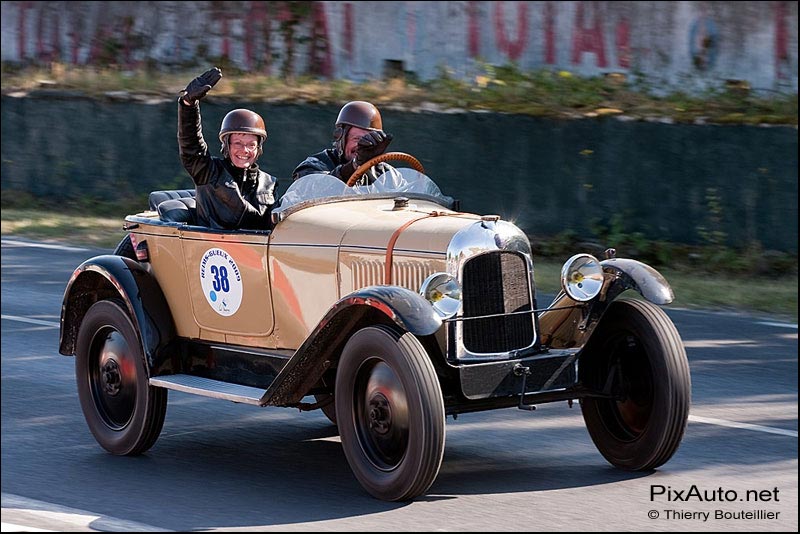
(227, 197)
(330, 162)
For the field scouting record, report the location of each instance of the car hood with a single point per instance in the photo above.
(422, 226)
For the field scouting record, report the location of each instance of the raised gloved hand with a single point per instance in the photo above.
(372, 144)
(200, 86)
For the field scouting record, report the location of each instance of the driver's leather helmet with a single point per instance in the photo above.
(242, 121)
(359, 114)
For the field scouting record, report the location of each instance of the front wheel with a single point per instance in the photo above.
(124, 413)
(637, 357)
(390, 413)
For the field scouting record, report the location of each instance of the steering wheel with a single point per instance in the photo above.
(388, 156)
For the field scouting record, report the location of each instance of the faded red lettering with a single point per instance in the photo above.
(75, 41)
(513, 48)
(287, 29)
(781, 40)
(588, 39)
(127, 31)
(224, 16)
(257, 30)
(348, 30)
(56, 39)
(321, 62)
(40, 51)
(226, 44)
(96, 51)
(473, 32)
(549, 34)
(21, 34)
(411, 28)
(623, 43)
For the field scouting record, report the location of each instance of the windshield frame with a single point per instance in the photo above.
(280, 212)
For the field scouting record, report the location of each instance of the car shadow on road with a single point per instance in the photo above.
(245, 469)
(288, 471)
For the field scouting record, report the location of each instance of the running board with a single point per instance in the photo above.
(207, 387)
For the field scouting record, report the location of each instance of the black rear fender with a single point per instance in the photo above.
(105, 277)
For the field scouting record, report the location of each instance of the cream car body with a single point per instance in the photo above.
(388, 306)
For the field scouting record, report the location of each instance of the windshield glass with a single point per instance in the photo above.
(318, 188)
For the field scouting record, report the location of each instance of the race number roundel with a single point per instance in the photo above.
(221, 281)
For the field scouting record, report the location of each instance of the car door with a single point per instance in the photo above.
(228, 280)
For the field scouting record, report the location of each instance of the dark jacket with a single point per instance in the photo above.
(329, 162)
(227, 197)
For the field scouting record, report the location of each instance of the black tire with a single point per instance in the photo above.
(124, 413)
(329, 409)
(391, 413)
(125, 248)
(637, 354)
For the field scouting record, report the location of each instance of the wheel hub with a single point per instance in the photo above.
(112, 377)
(380, 414)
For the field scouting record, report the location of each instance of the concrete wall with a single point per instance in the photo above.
(675, 44)
(668, 182)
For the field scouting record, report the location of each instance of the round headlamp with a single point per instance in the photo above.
(582, 277)
(443, 292)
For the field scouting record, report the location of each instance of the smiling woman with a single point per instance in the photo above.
(231, 192)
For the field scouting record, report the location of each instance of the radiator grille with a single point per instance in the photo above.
(407, 274)
(496, 283)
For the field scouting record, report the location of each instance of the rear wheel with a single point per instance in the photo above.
(390, 413)
(124, 413)
(636, 355)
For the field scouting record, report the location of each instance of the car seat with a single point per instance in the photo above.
(175, 206)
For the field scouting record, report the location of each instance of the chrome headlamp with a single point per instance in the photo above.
(443, 292)
(582, 277)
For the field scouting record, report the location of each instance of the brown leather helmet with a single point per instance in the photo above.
(242, 121)
(356, 113)
(360, 114)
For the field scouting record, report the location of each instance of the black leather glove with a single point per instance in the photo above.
(345, 171)
(372, 144)
(201, 85)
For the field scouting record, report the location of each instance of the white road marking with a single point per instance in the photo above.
(779, 325)
(31, 321)
(747, 426)
(18, 510)
(13, 527)
(15, 243)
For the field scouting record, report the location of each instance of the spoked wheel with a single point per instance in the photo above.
(390, 412)
(636, 355)
(124, 413)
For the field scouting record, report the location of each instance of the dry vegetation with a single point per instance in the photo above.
(545, 93)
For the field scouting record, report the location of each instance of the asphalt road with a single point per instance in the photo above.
(222, 466)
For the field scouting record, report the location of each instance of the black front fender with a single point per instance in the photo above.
(108, 276)
(567, 323)
(632, 274)
(364, 307)
(406, 308)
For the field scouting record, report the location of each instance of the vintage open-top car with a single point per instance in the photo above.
(384, 306)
